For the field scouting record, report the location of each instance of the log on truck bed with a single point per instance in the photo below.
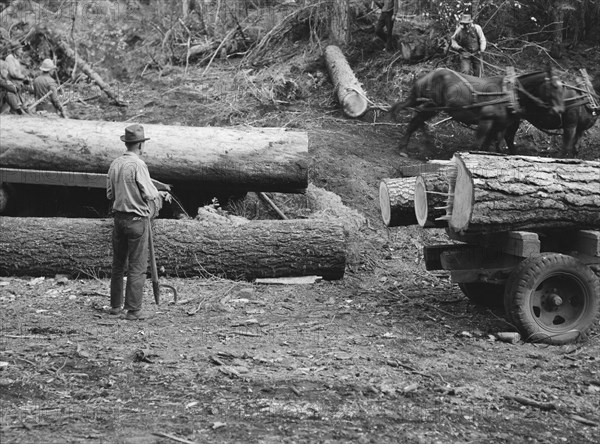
(237, 158)
(490, 193)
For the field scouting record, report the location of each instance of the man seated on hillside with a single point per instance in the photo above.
(9, 93)
(469, 41)
(46, 90)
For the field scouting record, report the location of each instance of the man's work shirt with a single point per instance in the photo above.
(129, 185)
(470, 39)
(43, 84)
(388, 6)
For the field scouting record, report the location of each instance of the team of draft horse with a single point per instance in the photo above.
(497, 105)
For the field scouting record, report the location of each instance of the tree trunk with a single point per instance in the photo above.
(501, 193)
(475, 9)
(243, 159)
(185, 8)
(340, 21)
(558, 17)
(47, 246)
(347, 88)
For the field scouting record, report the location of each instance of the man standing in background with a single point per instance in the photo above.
(389, 9)
(469, 41)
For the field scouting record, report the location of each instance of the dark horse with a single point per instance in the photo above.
(582, 108)
(492, 103)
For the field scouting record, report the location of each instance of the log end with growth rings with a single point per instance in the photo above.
(354, 104)
(384, 203)
(460, 201)
(421, 207)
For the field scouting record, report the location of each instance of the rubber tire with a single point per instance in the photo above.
(481, 293)
(526, 284)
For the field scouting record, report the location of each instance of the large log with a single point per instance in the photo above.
(242, 158)
(500, 193)
(47, 246)
(347, 88)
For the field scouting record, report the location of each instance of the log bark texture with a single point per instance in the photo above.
(348, 89)
(340, 21)
(501, 193)
(49, 246)
(396, 201)
(245, 159)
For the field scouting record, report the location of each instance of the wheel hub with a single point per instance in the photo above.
(557, 302)
(552, 300)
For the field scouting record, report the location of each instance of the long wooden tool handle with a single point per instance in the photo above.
(153, 269)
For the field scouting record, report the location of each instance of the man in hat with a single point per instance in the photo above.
(389, 9)
(44, 87)
(469, 41)
(135, 200)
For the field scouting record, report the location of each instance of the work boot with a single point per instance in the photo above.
(135, 315)
(115, 310)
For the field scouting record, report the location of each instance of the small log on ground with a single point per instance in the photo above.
(397, 199)
(50, 246)
(347, 88)
(500, 193)
(245, 159)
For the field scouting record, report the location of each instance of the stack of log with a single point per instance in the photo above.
(480, 193)
(250, 159)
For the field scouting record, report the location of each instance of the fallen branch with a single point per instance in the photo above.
(83, 66)
(262, 196)
(532, 402)
(173, 437)
(583, 420)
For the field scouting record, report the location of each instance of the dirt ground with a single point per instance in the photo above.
(391, 353)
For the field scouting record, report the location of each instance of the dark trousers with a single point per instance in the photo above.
(130, 254)
(385, 21)
(470, 64)
(11, 101)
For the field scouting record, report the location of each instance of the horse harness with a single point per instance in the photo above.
(509, 94)
(588, 97)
